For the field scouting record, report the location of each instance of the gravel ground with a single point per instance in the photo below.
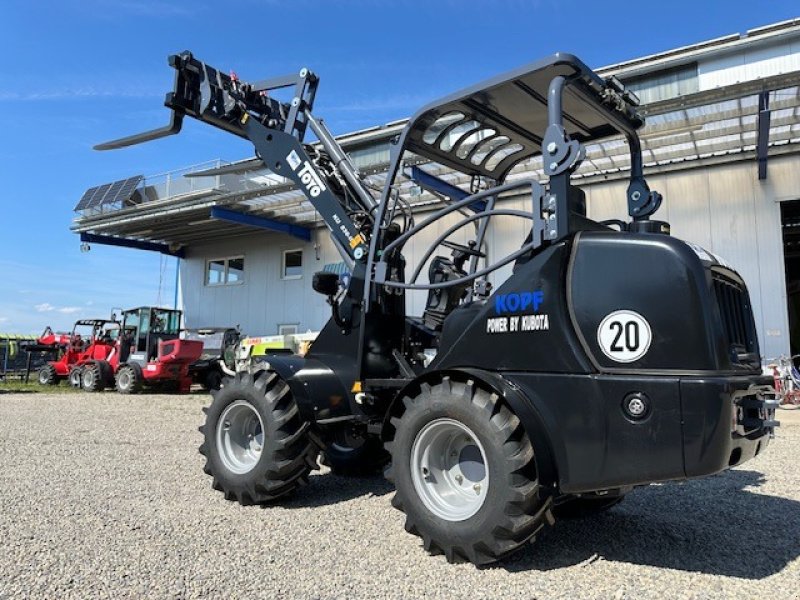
(104, 496)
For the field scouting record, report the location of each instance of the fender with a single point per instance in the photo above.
(317, 389)
(524, 408)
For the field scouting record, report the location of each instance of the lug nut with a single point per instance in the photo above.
(459, 479)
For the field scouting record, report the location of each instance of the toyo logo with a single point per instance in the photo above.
(509, 303)
(308, 176)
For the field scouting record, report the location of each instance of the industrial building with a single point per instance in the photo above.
(721, 143)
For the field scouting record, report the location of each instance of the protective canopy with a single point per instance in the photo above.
(488, 128)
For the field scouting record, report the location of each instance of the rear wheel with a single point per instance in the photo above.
(75, 376)
(47, 375)
(256, 445)
(128, 380)
(465, 473)
(92, 378)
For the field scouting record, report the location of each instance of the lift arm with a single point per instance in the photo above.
(276, 129)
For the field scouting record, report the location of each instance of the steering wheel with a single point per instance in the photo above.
(469, 250)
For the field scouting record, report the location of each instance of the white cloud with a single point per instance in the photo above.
(64, 310)
(3, 319)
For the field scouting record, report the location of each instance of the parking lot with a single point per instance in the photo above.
(104, 496)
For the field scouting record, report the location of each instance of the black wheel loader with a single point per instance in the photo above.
(609, 356)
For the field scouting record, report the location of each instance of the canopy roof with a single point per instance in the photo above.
(488, 128)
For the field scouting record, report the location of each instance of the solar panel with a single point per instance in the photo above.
(109, 193)
(87, 196)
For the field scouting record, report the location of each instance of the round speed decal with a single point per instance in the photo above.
(624, 336)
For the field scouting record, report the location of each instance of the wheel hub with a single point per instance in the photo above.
(449, 469)
(240, 437)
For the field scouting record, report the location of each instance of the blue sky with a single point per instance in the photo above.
(77, 73)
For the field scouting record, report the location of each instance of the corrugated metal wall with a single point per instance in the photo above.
(723, 208)
(754, 63)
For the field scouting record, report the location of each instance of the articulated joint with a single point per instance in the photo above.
(642, 202)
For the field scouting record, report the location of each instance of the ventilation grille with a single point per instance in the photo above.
(737, 319)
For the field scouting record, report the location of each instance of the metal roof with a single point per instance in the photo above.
(709, 126)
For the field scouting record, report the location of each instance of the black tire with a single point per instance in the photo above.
(287, 455)
(577, 508)
(47, 376)
(128, 380)
(92, 378)
(75, 376)
(212, 380)
(355, 457)
(513, 509)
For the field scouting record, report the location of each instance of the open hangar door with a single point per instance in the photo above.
(790, 226)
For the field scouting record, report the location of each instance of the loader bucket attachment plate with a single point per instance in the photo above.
(490, 127)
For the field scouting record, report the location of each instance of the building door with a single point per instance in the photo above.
(790, 224)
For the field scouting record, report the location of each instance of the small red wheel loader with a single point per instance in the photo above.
(148, 353)
(78, 349)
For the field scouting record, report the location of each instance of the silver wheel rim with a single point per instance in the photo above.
(88, 377)
(124, 380)
(75, 378)
(44, 376)
(449, 469)
(240, 437)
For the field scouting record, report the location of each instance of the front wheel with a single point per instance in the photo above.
(48, 376)
(465, 473)
(128, 380)
(256, 445)
(92, 378)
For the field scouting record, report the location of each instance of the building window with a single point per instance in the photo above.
(225, 271)
(288, 329)
(292, 264)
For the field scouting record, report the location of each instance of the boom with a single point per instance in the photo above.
(277, 130)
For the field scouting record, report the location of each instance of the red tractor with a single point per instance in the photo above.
(148, 353)
(90, 340)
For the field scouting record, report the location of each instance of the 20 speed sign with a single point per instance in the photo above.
(624, 336)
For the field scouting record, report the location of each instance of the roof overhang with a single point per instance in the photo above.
(706, 127)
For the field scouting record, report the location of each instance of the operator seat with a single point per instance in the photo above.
(125, 344)
(442, 301)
